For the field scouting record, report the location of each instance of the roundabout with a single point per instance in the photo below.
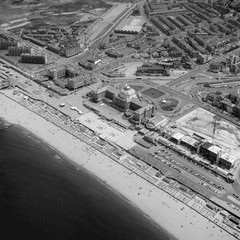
(168, 104)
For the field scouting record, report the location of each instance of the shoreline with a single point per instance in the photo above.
(158, 206)
(63, 157)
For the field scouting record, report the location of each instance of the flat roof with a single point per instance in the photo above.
(135, 100)
(112, 89)
(178, 136)
(101, 89)
(228, 157)
(214, 149)
(207, 145)
(157, 119)
(142, 109)
(131, 24)
(189, 140)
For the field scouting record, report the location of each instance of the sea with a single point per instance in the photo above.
(43, 196)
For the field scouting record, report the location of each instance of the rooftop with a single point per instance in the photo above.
(229, 158)
(207, 145)
(101, 90)
(157, 119)
(190, 141)
(131, 24)
(138, 102)
(178, 136)
(127, 92)
(214, 149)
(110, 89)
(141, 110)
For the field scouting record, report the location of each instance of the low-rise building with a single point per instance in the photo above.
(210, 151)
(33, 58)
(190, 143)
(176, 137)
(39, 42)
(5, 44)
(87, 65)
(214, 66)
(156, 122)
(236, 110)
(152, 70)
(114, 54)
(71, 50)
(204, 148)
(18, 50)
(131, 25)
(54, 48)
(77, 82)
(226, 161)
(57, 73)
(202, 58)
(226, 105)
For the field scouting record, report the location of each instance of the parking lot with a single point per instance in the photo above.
(182, 169)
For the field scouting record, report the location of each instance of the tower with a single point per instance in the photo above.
(218, 157)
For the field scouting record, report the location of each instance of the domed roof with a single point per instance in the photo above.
(127, 92)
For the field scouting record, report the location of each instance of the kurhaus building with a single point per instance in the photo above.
(125, 100)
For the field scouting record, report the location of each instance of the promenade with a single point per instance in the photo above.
(144, 186)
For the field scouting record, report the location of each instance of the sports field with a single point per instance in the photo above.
(153, 93)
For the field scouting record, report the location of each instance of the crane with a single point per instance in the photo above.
(215, 124)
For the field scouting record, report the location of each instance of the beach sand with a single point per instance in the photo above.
(175, 217)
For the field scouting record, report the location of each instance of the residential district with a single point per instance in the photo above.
(156, 88)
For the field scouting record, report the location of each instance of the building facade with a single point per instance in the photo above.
(125, 100)
(33, 58)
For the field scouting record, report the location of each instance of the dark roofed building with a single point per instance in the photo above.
(114, 54)
(204, 148)
(136, 104)
(210, 151)
(226, 105)
(143, 112)
(234, 97)
(77, 82)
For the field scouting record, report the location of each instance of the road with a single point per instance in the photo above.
(199, 69)
(191, 177)
(102, 35)
(106, 21)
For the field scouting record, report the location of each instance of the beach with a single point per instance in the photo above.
(175, 217)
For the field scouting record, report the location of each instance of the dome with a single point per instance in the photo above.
(127, 92)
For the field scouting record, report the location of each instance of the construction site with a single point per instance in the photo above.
(214, 129)
(145, 83)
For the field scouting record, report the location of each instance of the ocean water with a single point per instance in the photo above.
(42, 197)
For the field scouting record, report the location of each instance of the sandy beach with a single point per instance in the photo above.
(175, 217)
